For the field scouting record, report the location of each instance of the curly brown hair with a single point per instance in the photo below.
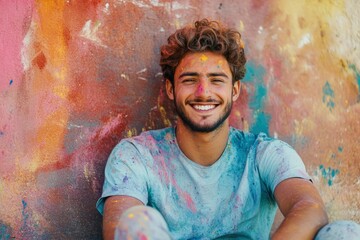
(204, 35)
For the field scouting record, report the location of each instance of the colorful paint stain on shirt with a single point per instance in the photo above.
(191, 197)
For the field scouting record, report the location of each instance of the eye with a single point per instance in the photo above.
(217, 80)
(189, 80)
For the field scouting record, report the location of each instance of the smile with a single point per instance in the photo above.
(204, 107)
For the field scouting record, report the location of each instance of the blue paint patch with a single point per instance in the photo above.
(255, 75)
(24, 213)
(340, 148)
(357, 76)
(1, 133)
(328, 96)
(261, 123)
(11, 82)
(328, 174)
(125, 179)
(5, 231)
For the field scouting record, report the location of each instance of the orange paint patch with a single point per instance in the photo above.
(39, 60)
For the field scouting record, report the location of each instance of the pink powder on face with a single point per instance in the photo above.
(200, 90)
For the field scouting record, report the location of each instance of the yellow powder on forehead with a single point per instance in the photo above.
(203, 58)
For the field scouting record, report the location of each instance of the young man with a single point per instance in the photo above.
(203, 179)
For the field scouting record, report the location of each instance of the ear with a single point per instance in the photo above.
(169, 89)
(236, 90)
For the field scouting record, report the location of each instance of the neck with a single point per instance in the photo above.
(202, 148)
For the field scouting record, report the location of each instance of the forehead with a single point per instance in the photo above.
(203, 62)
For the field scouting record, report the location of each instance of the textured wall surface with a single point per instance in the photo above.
(76, 76)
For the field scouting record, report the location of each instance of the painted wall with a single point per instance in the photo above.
(77, 76)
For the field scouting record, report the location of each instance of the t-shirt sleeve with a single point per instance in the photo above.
(278, 161)
(125, 174)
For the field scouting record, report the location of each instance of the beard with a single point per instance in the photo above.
(203, 128)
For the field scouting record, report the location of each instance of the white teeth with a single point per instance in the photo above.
(204, 107)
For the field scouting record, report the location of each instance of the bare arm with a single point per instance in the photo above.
(302, 207)
(113, 209)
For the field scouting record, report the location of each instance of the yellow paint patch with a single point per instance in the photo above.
(61, 91)
(87, 172)
(164, 117)
(203, 58)
(241, 26)
(131, 215)
(131, 132)
(246, 126)
(50, 137)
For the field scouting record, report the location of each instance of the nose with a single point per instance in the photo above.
(203, 88)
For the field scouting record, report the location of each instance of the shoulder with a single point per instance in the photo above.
(257, 142)
(241, 137)
(151, 136)
(270, 146)
(141, 147)
(147, 140)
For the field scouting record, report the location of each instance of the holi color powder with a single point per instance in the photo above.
(78, 76)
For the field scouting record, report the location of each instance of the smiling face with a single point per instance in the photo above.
(203, 91)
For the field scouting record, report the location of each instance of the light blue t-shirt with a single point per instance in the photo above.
(234, 197)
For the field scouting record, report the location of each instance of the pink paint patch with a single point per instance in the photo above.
(189, 202)
(142, 236)
(200, 90)
(13, 30)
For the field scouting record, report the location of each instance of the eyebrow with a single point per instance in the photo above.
(195, 74)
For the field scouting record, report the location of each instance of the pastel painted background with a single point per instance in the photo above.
(76, 76)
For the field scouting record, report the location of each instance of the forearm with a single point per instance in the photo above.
(109, 227)
(302, 222)
(113, 210)
(111, 218)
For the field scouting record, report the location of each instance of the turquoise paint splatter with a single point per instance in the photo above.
(5, 231)
(25, 214)
(261, 123)
(357, 76)
(328, 96)
(328, 174)
(340, 148)
(255, 76)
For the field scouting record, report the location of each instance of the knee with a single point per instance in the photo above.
(347, 230)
